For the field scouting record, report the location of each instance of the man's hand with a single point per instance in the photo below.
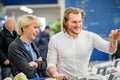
(115, 34)
(6, 62)
(60, 76)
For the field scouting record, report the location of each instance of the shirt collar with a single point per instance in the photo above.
(66, 34)
(26, 43)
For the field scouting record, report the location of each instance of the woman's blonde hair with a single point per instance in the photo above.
(25, 21)
(66, 15)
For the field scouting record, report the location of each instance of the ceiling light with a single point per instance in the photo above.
(26, 9)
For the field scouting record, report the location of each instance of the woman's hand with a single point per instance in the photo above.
(33, 64)
(39, 59)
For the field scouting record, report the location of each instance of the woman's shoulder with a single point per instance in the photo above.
(15, 43)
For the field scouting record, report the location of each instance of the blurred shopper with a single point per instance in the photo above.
(23, 53)
(41, 42)
(7, 35)
(69, 51)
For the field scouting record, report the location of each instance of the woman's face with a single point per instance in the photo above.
(31, 31)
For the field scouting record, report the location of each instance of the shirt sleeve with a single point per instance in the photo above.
(100, 43)
(52, 53)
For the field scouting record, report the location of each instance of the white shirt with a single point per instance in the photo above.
(71, 56)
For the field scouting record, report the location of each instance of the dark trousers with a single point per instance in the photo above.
(5, 72)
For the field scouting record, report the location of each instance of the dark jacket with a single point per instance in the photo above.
(116, 55)
(20, 57)
(5, 39)
(41, 42)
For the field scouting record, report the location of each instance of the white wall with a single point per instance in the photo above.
(51, 12)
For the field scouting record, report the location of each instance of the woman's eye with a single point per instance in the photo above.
(35, 26)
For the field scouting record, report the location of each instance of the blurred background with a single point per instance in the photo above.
(101, 15)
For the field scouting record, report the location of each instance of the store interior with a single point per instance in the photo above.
(102, 16)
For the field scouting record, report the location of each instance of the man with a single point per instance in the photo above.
(69, 51)
(7, 35)
(41, 42)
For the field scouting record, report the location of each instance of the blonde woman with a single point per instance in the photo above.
(23, 53)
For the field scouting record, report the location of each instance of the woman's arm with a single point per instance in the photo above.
(20, 59)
